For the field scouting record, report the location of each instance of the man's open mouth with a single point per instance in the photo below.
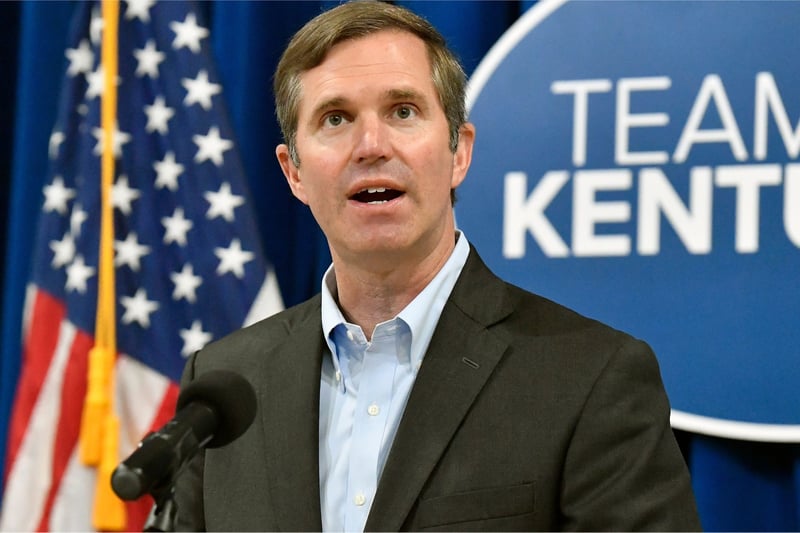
(378, 195)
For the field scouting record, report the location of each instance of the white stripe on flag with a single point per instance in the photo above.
(27, 309)
(268, 302)
(73, 504)
(140, 392)
(31, 475)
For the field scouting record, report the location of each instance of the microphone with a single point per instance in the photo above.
(212, 411)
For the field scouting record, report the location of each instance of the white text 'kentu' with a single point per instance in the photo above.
(602, 198)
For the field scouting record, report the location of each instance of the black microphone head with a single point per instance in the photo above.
(230, 396)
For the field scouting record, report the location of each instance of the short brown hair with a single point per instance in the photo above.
(311, 44)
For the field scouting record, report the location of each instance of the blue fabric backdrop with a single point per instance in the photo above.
(739, 486)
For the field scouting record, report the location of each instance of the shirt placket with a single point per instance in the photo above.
(369, 428)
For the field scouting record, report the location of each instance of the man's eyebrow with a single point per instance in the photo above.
(404, 94)
(330, 103)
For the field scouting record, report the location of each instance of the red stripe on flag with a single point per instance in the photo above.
(73, 392)
(38, 351)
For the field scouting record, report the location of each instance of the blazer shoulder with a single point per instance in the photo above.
(550, 317)
(494, 301)
(568, 332)
(526, 320)
(260, 337)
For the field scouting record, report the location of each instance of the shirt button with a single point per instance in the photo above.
(338, 376)
(359, 499)
(350, 335)
(373, 410)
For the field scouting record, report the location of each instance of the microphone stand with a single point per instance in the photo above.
(162, 515)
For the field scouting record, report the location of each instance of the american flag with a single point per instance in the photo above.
(188, 263)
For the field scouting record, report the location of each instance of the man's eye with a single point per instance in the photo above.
(405, 112)
(334, 119)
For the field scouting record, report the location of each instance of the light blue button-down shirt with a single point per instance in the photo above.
(364, 389)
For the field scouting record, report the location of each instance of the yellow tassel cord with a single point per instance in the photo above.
(99, 442)
(96, 405)
(109, 511)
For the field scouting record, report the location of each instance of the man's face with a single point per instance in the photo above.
(372, 139)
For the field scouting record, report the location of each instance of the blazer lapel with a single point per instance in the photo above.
(290, 419)
(460, 358)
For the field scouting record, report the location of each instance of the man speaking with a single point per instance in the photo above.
(417, 390)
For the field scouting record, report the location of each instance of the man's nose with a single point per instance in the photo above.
(373, 139)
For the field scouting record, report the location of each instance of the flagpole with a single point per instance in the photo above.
(99, 442)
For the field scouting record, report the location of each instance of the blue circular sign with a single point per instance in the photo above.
(638, 162)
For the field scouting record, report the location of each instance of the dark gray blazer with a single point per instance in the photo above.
(524, 416)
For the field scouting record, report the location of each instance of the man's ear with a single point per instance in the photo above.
(291, 172)
(463, 155)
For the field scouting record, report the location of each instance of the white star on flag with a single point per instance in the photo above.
(56, 138)
(78, 273)
(167, 172)
(138, 308)
(56, 196)
(211, 146)
(233, 258)
(130, 252)
(118, 139)
(63, 251)
(149, 58)
(96, 80)
(139, 9)
(222, 203)
(96, 27)
(186, 283)
(81, 59)
(200, 90)
(122, 195)
(157, 116)
(76, 220)
(188, 33)
(194, 339)
(176, 227)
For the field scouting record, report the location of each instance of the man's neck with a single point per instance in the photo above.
(368, 295)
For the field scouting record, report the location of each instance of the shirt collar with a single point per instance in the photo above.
(421, 314)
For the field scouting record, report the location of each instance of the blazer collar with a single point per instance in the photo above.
(461, 357)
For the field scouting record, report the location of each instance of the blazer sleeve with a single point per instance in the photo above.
(624, 470)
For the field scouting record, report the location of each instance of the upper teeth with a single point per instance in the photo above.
(378, 189)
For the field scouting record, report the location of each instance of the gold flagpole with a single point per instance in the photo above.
(99, 440)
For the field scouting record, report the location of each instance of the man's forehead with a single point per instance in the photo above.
(372, 46)
(395, 72)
